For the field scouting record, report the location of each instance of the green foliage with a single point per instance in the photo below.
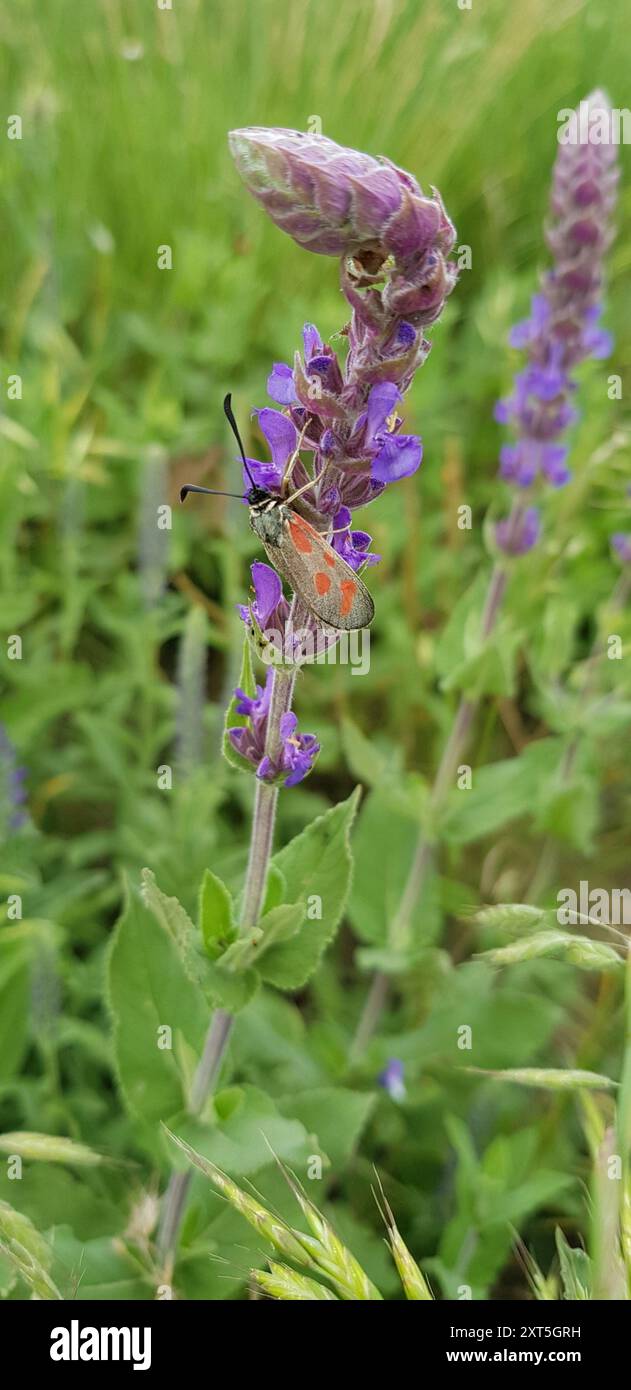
(26, 1252)
(316, 868)
(149, 990)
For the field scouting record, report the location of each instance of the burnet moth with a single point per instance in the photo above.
(328, 587)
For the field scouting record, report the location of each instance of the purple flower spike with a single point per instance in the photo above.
(563, 327)
(334, 200)
(394, 242)
(392, 1079)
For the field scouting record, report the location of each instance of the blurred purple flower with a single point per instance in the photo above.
(12, 788)
(392, 1079)
(563, 326)
(621, 544)
(519, 532)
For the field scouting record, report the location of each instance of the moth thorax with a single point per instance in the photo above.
(268, 523)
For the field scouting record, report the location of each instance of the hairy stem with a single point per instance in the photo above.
(209, 1067)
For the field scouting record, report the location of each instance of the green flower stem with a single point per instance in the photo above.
(455, 746)
(209, 1067)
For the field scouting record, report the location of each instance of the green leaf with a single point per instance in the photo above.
(490, 669)
(570, 812)
(275, 889)
(553, 644)
(233, 719)
(101, 1269)
(364, 757)
(335, 1117)
(280, 924)
(176, 922)
(50, 1193)
(49, 1148)
(216, 918)
(251, 1134)
(383, 845)
(316, 864)
(465, 659)
(27, 1251)
(230, 989)
(149, 989)
(218, 984)
(500, 793)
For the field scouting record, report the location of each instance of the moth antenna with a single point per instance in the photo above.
(212, 492)
(227, 405)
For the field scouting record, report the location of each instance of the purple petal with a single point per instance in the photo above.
(287, 724)
(399, 457)
(381, 403)
(598, 343)
(280, 433)
(280, 384)
(268, 590)
(312, 341)
(406, 334)
(521, 334)
(502, 411)
(508, 461)
(238, 738)
(392, 1078)
(265, 475)
(554, 466)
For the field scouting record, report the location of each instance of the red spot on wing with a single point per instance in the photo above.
(299, 532)
(349, 589)
(329, 558)
(322, 582)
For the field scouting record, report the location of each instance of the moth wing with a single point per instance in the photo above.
(322, 579)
